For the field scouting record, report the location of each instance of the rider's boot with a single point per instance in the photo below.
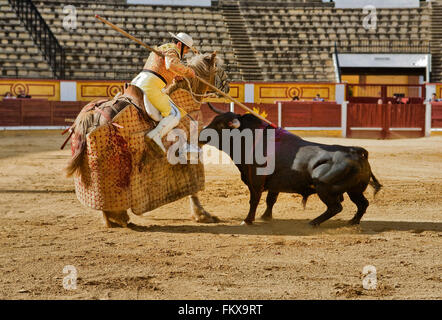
(164, 126)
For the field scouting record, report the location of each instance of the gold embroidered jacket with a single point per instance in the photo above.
(170, 66)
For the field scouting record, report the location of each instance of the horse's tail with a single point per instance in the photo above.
(82, 123)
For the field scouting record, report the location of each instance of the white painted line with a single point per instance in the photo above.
(436, 129)
(344, 118)
(365, 128)
(279, 114)
(312, 128)
(405, 129)
(34, 128)
(427, 118)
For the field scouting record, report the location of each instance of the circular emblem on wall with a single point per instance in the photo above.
(293, 92)
(114, 89)
(16, 88)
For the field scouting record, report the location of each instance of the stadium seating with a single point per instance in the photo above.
(19, 57)
(290, 40)
(96, 51)
(296, 44)
(436, 45)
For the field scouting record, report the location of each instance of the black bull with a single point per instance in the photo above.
(301, 167)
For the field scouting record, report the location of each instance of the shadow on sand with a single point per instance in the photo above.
(297, 228)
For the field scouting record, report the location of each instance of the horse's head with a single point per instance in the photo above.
(216, 74)
(208, 67)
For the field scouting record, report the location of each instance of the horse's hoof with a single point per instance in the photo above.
(266, 218)
(246, 223)
(215, 219)
(111, 224)
(115, 219)
(206, 218)
(314, 224)
(354, 222)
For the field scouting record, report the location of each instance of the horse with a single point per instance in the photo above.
(188, 94)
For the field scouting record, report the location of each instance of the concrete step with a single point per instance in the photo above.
(252, 64)
(251, 71)
(242, 48)
(243, 44)
(246, 53)
(249, 50)
(239, 37)
(246, 59)
(240, 41)
(235, 24)
(237, 28)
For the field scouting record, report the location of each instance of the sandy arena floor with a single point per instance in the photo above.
(43, 228)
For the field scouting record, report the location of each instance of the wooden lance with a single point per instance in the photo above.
(225, 95)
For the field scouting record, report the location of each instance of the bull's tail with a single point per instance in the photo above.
(374, 183)
(304, 201)
(80, 127)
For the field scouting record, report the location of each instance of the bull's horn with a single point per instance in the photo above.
(214, 109)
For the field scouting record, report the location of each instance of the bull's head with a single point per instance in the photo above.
(224, 120)
(212, 134)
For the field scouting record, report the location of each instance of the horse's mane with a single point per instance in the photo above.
(199, 64)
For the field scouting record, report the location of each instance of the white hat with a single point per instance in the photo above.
(184, 38)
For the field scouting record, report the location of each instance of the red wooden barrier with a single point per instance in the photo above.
(363, 120)
(310, 114)
(10, 112)
(36, 112)
(436, 115)
(208, 114)
(65, 110)
(385, 120)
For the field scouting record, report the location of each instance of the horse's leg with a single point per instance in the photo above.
(198, 213)
(114, 219)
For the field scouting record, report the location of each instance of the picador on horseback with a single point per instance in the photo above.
(159, 72)
(112, 164)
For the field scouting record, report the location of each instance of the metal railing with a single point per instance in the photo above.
(42, 35)
(384, 46)
(337, 66)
